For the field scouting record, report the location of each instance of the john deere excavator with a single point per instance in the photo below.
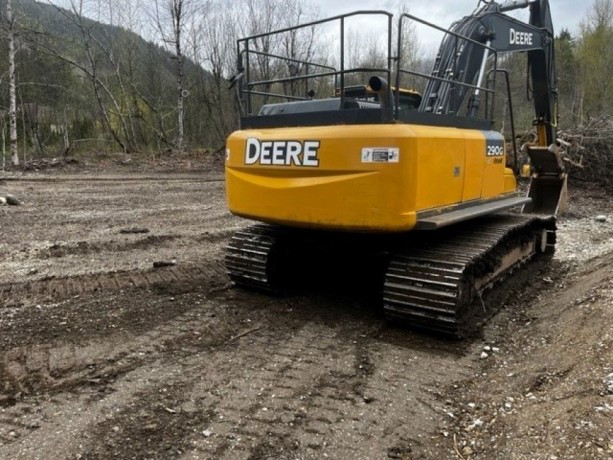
(425, 187)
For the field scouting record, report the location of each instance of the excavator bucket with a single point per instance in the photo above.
(549, 184)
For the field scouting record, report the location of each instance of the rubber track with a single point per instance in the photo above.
(429, 283)
(12, 294)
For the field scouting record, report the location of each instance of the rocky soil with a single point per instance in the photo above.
(121, 337)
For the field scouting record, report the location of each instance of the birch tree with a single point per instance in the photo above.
(170, 17)
(12, 84)
(211, 37)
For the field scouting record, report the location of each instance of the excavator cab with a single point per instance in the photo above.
(408, 99)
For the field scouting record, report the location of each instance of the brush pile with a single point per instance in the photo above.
(587, 152)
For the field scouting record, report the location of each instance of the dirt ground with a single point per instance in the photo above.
(121, 337)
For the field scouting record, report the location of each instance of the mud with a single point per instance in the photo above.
(107, 353)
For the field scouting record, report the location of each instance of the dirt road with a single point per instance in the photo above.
(121, 337)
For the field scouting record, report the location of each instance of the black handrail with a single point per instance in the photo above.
(244, 51)
(320, 21)
(247, 88)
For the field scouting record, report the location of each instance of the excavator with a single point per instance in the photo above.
(426, 187)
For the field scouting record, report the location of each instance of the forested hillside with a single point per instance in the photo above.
(86, 79)
(86, 85)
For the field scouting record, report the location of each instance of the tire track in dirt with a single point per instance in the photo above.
(212, 274)
(91, 370)
(244, 376)
(304, 391)
(97, 371)
(80, 248)
(86, 248)
(57, 366)
(119, 178)
(243, 400)
(300, 382)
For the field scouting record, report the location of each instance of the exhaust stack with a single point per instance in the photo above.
(381, 87)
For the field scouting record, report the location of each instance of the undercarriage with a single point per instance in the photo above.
(428, 280)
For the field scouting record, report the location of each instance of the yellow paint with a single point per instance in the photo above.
(541, 132)
(438, 167)
(525, 170)
(510, 182)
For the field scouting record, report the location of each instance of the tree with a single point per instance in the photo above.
(109, 104)
(170, 18)
(12, 83)
(569, 89)
(210, 41)
(177, 15)
(596, 67)
(211, 38)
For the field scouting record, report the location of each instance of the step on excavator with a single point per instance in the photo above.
(329, 171)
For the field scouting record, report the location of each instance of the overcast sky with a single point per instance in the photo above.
(566, 13)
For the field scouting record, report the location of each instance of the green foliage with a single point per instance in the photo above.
(568, 79)
(594, 57)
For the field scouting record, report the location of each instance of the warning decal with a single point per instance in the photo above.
(380, 155)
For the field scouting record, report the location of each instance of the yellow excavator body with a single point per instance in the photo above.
(382, 177)
(407, 191)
